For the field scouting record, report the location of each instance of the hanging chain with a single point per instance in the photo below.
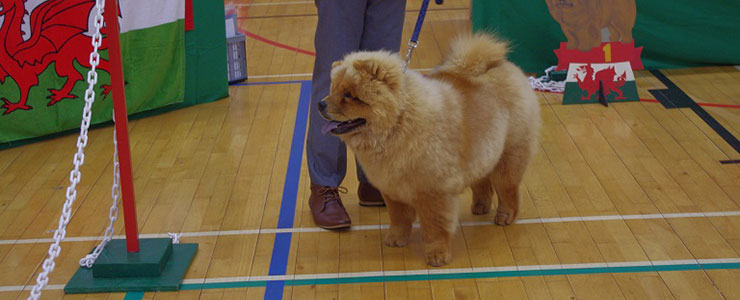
(89, 259)
(546, 84)
(79, 158)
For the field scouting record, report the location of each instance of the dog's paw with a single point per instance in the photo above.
(504, 216)
(438, 258)
(396, 240)
(480, 208)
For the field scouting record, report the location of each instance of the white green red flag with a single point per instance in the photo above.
(586, 82)
(44, 59)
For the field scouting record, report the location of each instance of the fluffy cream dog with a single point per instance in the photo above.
(422, 140)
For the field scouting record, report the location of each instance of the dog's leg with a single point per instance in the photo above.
(614, 34)
(506, 178)
(626, 30)
(438, 218)
(590, 38)
(402, 218)
(482, 196)
(571, 37)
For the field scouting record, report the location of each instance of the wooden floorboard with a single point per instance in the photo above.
(218, 170)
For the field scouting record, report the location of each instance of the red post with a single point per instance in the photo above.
(119, 110)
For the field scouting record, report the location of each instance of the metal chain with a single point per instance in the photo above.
(545, 83)
(407, 59)
(89, 260)
(79, 158)
(175, 237)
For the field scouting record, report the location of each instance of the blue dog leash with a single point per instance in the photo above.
(414, 41)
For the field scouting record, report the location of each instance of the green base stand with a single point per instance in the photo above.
(558, 75)
(159, 266)
(114, 261)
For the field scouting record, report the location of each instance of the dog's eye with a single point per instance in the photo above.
(348, 96)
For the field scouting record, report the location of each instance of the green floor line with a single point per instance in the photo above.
(134, 296)
(464, 275)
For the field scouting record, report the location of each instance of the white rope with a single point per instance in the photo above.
(544, 83)
(79, 158)
(89, 260)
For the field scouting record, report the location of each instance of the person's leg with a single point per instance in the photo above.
(338, 32)
(383, 25)
(382, 31)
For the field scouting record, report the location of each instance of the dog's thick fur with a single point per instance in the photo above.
(473, 122)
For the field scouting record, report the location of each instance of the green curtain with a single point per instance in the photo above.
(206, 77)
(674, 33)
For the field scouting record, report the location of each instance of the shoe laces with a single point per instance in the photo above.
(332, 194)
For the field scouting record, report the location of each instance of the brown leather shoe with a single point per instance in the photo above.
(327, 209)
(369, 195)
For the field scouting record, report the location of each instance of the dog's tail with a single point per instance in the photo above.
(473, 55)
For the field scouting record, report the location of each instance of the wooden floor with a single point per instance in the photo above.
(629, 201)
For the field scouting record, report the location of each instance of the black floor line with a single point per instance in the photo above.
(674, 97)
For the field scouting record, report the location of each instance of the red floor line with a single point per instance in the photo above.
(720, 105)
(276, 44)
(265, 40)
(700, 104)
(656, 101)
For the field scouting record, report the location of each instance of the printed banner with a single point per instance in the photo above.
(605, 53)
(44, 60)
(585, 82)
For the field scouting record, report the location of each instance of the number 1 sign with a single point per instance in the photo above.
(606, 53)
(600, 53)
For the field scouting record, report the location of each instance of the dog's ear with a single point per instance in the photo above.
(336, 64)
(378, 70)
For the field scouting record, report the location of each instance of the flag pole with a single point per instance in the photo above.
(121, 116)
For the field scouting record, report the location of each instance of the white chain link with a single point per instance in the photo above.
(175, 237)
(79, 158)
(546, 84)
(89, 259)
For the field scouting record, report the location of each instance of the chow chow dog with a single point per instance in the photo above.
(422, 140)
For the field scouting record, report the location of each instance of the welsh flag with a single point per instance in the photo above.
(44, 59)
(585, 82)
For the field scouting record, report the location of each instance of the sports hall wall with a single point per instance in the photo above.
(673, 33)
(166, 65)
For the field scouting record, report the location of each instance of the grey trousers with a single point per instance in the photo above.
(345, 26)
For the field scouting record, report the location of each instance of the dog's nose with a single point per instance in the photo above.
(322, 105)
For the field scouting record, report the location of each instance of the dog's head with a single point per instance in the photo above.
(364, 95)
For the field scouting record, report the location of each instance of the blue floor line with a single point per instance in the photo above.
(267, 83)
(281, 246)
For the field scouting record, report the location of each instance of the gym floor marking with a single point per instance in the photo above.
(674, 97)
(445, 274)
(385, 226)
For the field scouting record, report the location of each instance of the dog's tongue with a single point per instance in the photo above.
(330, 126)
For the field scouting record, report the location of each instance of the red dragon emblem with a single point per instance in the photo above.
(57, 35)
(590, 81)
